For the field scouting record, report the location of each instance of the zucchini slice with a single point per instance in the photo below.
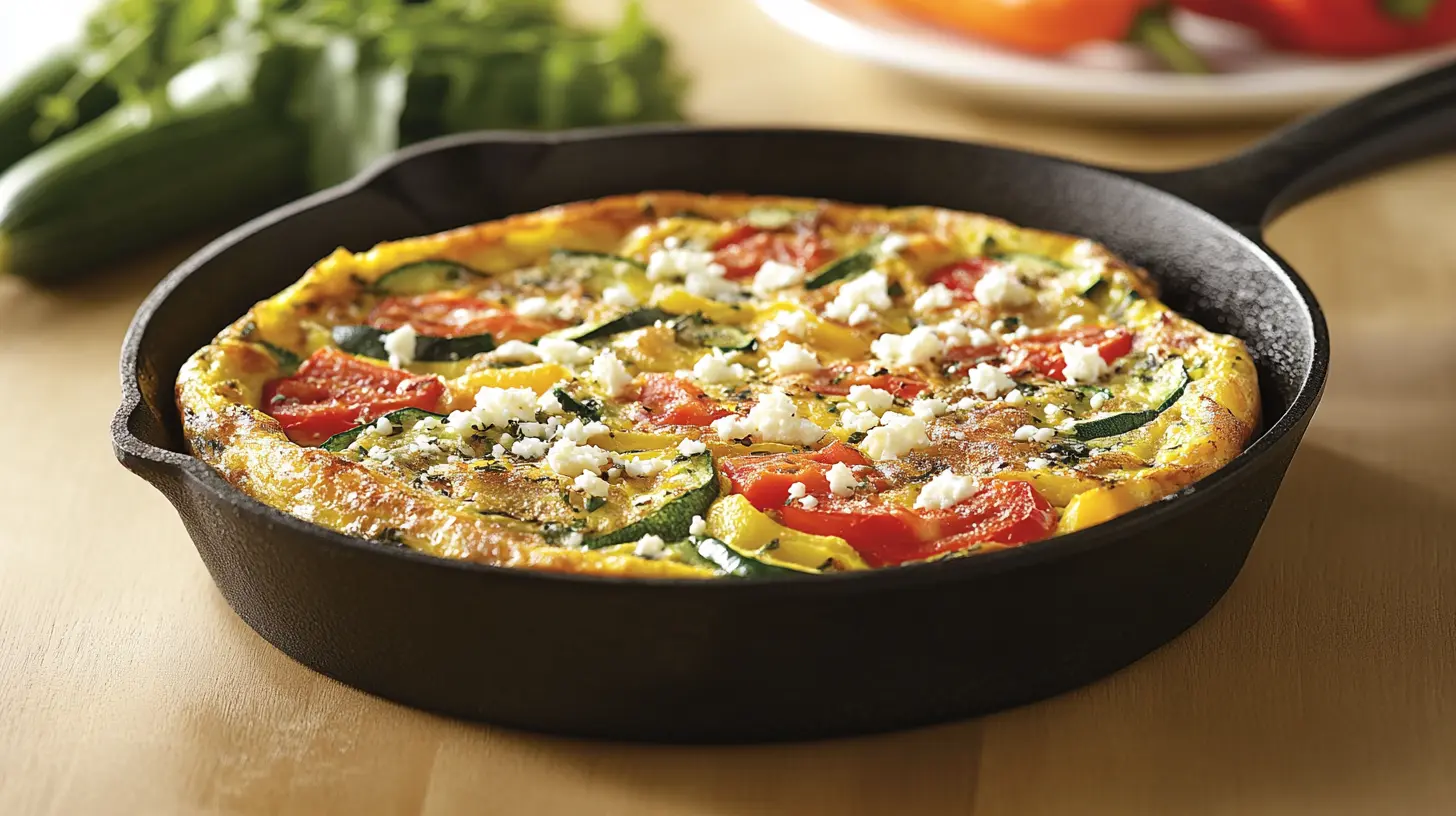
(850, 266)
(589, 409)
(1173, 376)
(696, 330)
(423, 277)
(631, 321)
(287, 360)
(732, 562)
(404, 417)
(686, 489)
(367, 341)
(771, 218)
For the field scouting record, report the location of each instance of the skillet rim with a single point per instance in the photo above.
(127, 444)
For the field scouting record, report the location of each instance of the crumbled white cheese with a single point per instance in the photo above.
(572, 539)
(798, 490)
(841, 480)
(858, 421)
(809, 502)
(1072, 321)
(650, 546)
(990, 381)
(609, 372)
(563, 352)
(400, 345)
(691, 447)
(428, 423)
(861, 315)
(1014, 397)
(1022, 332)
(674, 263)
(1084, 363)
(935, 298)
(712, 285)
(619, 296)
(516, 351)
(548, 403)
(498, 451)
(773, 419)
(869, 398)
(529, 448)
(698, 527)
(1052, 411)
(537, 430)
(383, 427)
(898, 435)
(591, 484)
(893, 244)
(946, 490)
(860, 296)
(1098, 400)
(919, 347)
(1031, 433)
(613, 473)
(495, 407)
(581, 433)
(929, 408)
(957, 333)
(643, 467)
(964, 404)
(714, 369)
(791, 322)
(1037, 463)
(378, 453)
(534, 307)
(793, 358)
(1001, 286)
(773, 276)
(571, 459)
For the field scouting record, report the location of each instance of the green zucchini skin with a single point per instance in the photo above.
(132, 179)
(850, 266)
(405, 418)
(367, 341)
(1118, 424)
(423, 277)
(631, 321)
(733, 563)
(20, 101)
(695, 330)
(673, 520)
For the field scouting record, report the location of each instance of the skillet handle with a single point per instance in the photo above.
(1405, 121)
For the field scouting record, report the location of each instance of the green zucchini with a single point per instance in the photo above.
(696, 330)
(135, 177)
(733, 563)
(287, 360)
(570, 255)
(423, 277)
(850, 266)
(1172, 375)
(1028, 257)
(21, 100)
(631, 321)
(367, 341)
(690, 488)
(770, 218)
(405, 418)
(589, 409)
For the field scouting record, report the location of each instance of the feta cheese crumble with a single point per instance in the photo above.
(516, 351)
(591, 484)
(1098, 400)
(935, 298)
(1014, 397)
(619, 296)
(639, 468)
(990, 381)
(534, 307)
(1038, 463)
(1084, 363)
(841, 480)
(495, 408)
(1031, 433)
(946, 490)
(869, 398)
(714, 369)
(798, 490)
(919, 347)
(897, 435)
(400, 345)
(929, 408)
(1001, 286)
(649, 546)
(860, 298)
(773, 419)
(791, 322)
(609, 372)
(773, 276)
(571, 459)
(691, 447)
(793, 358)
(563, 352)
(529, 448)
(698, 527)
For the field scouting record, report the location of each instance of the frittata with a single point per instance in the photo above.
(680, 385)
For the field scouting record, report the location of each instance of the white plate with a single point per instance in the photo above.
(1105, 79)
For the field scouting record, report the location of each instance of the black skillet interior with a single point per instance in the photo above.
(849, 654)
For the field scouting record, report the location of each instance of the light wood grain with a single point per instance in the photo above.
(1325, 682)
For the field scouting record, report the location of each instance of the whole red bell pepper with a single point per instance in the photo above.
(1344, 28)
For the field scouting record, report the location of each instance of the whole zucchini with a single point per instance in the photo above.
(135, 178)
(20, 105)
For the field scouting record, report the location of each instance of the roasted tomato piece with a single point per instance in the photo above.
(1043, 353)
(743, 251)
(961, 277)
(444, 314)
(765, 480)
(839, 379)
(669, 400)
(1003, 512)
(333, 391)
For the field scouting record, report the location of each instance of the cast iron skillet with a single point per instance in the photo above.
(735, 661)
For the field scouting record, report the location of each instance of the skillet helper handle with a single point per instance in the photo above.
(1405, 121)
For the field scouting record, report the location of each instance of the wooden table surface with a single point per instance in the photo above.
(1324, 682)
